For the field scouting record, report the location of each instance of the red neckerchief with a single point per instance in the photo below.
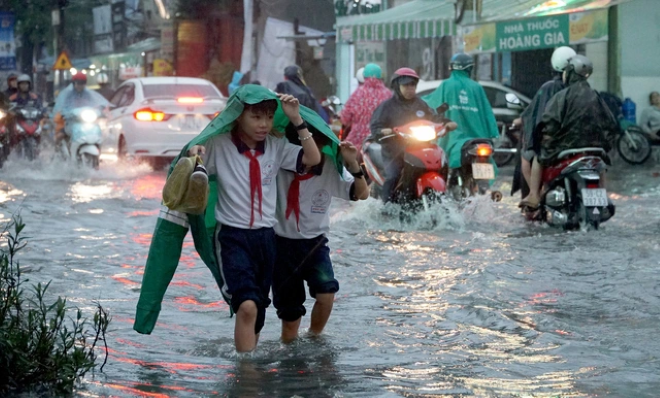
(293, 197)
(255, 182)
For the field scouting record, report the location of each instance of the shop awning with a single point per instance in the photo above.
(498, 10)
(418, 19)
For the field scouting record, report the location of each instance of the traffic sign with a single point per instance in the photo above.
(63, 62)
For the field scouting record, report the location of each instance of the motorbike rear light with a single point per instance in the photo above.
(593, 184)
(484, 150)
(190, 100)
(148, 115)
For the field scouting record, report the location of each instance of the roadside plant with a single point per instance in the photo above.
(45, 348)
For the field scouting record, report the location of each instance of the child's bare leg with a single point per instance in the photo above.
(526, 167)
(246, 317)
(290, 330)
(321, 312)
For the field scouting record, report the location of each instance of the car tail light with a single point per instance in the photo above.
(148, 115)
(213, 116)
(190, 100)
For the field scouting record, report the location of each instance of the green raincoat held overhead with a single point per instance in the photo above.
(469, 108)
(172, 226)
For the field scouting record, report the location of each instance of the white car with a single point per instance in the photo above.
(153, 118)
(495, 92)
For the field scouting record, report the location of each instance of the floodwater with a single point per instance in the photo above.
(480, 304)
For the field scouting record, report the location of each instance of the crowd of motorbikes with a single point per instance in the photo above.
(24, 129)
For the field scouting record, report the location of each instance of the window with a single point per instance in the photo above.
(129, 96)
(497, 98)
(116, 98)
(180, 90)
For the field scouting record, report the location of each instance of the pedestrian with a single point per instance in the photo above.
(242, 158)
(356, 114)
(650, 119)
(302, 225)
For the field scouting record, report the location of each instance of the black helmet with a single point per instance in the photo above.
(461, 61)
(581, 65)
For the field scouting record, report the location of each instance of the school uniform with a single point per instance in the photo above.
(245, 212)
(302, 246)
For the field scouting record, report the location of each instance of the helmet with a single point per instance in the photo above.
(560, 58)
(373, 70)
(24, 78)
(11, 76)
(79, 77)
(581, 65)
(461, 61)
(102, 78)
(359, 75)
(404, 76)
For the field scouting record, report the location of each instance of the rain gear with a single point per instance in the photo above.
(69, 99)
(469, 108)
(359, 108)
(172, 226)
(576, 117)
(295, 85)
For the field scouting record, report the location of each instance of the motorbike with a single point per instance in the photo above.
(330, 104)
(425, 169)
(476, 171)
(27, 131)
(83, 145)
(506, 146)
(4, 138)
(575, 196)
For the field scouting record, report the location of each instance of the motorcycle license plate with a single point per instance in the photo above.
(594, 197)
(483, 171)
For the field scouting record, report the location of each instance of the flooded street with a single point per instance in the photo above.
(481, 304)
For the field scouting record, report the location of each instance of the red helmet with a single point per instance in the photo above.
(406, 72)
(79, 77)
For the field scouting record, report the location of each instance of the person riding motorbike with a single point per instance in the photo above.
(357, 112)
(294, 84)
(531, 117)
(24, 96)
(400, 109)
(104, 87)
(468, 107)
(12, 84)
(76, 95)
(576, 117)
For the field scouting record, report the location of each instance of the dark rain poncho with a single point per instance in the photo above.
(469, 108)
(532, 115)
(172, 226)
(576, 117)
(295, 85)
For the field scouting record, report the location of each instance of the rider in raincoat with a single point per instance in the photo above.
(172, 226)
(76, 95)
(468, 107)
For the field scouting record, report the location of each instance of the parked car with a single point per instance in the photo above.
(153, 118)
(496, 94)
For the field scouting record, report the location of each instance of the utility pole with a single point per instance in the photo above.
(59, 37)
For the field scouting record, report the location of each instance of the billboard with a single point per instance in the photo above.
(7, 43)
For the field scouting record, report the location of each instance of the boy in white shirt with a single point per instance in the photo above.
(245, 163)
(303, 222)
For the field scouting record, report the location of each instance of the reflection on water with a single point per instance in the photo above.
(463, 300)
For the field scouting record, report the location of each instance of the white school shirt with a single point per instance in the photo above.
(315, 198)
(232, 170)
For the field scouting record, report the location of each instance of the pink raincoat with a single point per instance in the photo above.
(359, 108)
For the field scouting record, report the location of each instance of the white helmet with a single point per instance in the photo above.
(102, 78)
(359, 75)
(560, 58)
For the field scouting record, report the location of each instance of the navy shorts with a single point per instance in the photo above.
(299, 261)
(246, 259)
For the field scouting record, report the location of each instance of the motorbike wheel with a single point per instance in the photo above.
(502, 159)
(634, 147)
(585, 224)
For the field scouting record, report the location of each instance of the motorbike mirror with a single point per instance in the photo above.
(442, 108)
(513, 102)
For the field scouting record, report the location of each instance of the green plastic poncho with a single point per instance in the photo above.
(172, 226)
(469, 108)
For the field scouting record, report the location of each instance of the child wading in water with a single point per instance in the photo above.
(303, 201)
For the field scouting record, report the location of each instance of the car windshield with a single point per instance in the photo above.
(180, 90)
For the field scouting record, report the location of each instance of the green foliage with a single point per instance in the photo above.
(42, 348)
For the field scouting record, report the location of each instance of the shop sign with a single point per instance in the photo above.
(162, 67)
(129, 72)
(370, 52)
(588, 27)
(532, 34)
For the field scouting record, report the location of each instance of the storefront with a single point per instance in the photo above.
(136, 61)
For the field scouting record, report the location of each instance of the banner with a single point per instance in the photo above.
(7, 43)
(536, 33)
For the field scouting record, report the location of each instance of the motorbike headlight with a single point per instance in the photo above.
(88, 116)
(2, 114)
(423, 133)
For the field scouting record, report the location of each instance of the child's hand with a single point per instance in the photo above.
(196, 150)
(348, 152)
(291, 108)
